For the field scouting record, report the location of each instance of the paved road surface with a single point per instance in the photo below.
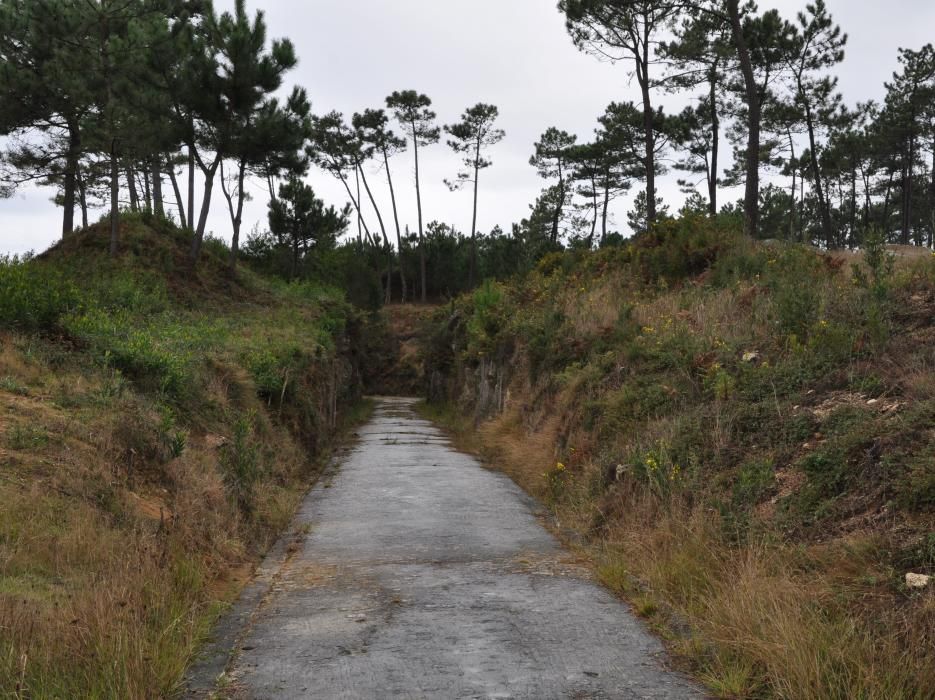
(424, 575)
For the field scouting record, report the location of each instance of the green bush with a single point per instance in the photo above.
(158, 356)
(754, 480)
(678, 248)
(273, 367)
(240, 464)
(34, 297)
(488, 318)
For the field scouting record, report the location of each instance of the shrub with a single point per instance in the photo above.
(145, 354)
(754, 480)
(240, 465)
(488, 318)
(556, 480)
(34, 297)
(880, 263)
(272, 367)
(678, 248)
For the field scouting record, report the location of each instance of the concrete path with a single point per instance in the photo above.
(424, 575)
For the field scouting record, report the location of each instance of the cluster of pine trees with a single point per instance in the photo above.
(153, 104)
(108, 98)
(764, 84)
(106, 92)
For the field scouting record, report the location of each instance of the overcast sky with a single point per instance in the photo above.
(512, 53)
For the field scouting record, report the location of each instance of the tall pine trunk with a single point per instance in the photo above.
(559, 206)
(191, 188)
(907, 188)
(474, 218)
(399, 237)
(114, 198)
(853, 226)
(183, 219)
(650, 136)
(932, 199)
(422, 269)
(751, 203)
(824, 209)
(595, 207)
(82, 198)
(147, 192)
(887, 200)
(131, 185)
(649, 128)
(793, 193)
(715, 143)
(156, 174)
(388, 291)
(604, 213)
(356, 202)
(71, 175)
(360, 216)
(198, 237)
(236, 214)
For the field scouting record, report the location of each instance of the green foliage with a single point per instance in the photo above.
(158, 354)
(793, 276)
(240, 465)
(34, 297)
(638, 400)
(880, 263)
(657, 468)
(678, 248)
(175, 438)
(11, 385)
(557, 479)
(21, 437)
(488, 318)
(754, 480)
(271, 368)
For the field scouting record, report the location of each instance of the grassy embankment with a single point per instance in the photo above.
(159, 428)
(743, 434)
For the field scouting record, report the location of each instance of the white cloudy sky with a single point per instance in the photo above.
(512, 53)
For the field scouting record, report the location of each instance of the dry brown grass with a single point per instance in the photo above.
(116, 555)
(763, 619)
(767, 619)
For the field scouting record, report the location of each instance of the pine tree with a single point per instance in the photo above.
(302, 222)
(372, 129)
(417, 120)
(334, 147)
(627, 30)
(909, 110)
(551, 160)
(471, 137)
(46, 94)
(818, 45)
(700, 56)
(255, 122)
